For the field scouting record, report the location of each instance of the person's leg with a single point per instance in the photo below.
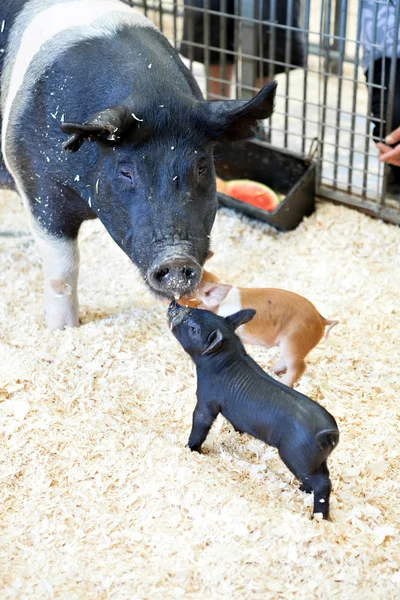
(277, 55)
(220, 35)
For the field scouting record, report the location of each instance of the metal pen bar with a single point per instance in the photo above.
(248, 47)
(325, 26)
(371, 70)
(354, 102)
(337, 31)
(342, 14)
(160, 10)
(288, 55)
(271, 53)
(175, 18)
(223, 40)
(383, 90)
(206, 38)
(305, 77)
(391, 92)
(236, 42)
(260, 64)
(262, 133)
(190, 17)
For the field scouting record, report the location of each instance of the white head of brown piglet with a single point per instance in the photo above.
(282, 319)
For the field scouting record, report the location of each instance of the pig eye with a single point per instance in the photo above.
(202, 169)
(194, 329)
(127, 174)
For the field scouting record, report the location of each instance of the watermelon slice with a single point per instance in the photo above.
(251, 192)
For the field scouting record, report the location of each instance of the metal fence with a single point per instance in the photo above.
(342, 92)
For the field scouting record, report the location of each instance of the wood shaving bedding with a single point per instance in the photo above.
(100, 498)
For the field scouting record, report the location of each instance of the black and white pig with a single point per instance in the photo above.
(100, 118)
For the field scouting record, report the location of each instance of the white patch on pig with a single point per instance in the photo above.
(60, 258)
(231, 304)
(41, 21)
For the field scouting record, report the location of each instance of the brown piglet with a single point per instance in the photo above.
(282, 319)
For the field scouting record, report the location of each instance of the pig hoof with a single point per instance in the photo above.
(55, 323)
(60, 306)
(61, 319)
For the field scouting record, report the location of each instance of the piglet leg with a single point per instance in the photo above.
(294, 360)
(321, 486)
(279, 367)
(203, 418)
(305, 487)
(60, 257)
(294, 371)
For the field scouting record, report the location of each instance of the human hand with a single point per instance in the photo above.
(386, 153)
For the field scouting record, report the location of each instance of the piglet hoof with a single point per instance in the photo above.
(321, 507)
(325, 516)
(194, 448)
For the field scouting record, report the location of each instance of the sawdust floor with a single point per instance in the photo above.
(99, 497)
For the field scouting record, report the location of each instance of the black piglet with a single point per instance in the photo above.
(230, 382)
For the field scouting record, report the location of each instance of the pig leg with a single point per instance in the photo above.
(203, 417)
(321, 485)
(294, 361)
(60, 256)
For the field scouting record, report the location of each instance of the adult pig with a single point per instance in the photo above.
(100, 118)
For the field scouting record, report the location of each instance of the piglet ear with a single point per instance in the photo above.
(108, 124)
(235, 120)
(212, 294)
(241, 317)
(213, 343)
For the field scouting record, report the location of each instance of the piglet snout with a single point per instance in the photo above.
(176, 314)
(175, 276)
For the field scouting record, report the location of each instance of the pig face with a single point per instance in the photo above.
(154, 180)
(201, 332)
(164, 194)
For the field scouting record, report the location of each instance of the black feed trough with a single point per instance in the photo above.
(285, 172)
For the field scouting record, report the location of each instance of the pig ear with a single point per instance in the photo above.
(241, 317)
(108, 124)
(213, 343)
(235, 120)
(212, 294)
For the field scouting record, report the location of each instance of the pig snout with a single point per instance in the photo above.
(174, 275)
